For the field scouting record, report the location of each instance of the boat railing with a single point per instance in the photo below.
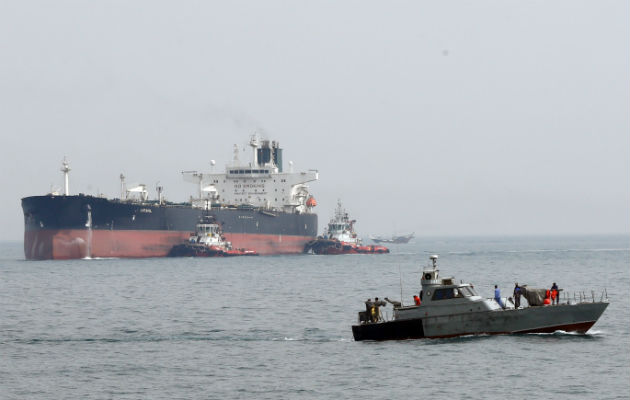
(574, 298)
(582, 297)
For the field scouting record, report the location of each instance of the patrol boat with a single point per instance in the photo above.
(450, 309)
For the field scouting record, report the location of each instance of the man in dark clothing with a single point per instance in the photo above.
(517, 295)
(368, 306)
(555, 294)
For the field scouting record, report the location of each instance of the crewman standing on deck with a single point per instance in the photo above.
(369, 304)
(497, 296)
(555, 294)
(517, 295)
(376, 315)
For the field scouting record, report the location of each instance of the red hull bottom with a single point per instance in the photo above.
(350, 248)
(77, 243)
(198, 250)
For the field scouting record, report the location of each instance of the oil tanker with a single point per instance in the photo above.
(258, 205)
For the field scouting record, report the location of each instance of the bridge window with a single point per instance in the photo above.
(443, 294)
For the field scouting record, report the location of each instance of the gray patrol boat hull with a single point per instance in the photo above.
(570, 318)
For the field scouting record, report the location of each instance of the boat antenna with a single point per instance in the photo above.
(400, 276)
(434, 260)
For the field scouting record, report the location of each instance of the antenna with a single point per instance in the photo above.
(434, 260)
(236, 161)
(400, 276)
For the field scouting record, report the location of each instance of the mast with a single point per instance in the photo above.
(122, 187)
(65, 168)
(253, 142)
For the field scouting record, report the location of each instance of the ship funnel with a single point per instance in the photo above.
(269, 153)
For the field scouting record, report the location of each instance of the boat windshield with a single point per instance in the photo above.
(451, 293)
(443, 294)
(467, 291)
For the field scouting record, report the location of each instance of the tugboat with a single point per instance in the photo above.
(449, 309)
(208, 241)
(340, 238)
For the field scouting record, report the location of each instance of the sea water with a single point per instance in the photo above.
(279, 327)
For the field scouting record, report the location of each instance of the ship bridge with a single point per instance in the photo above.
(261, 183)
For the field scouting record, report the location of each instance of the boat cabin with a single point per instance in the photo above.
(444, 296)
(210, 234)
(341, 227)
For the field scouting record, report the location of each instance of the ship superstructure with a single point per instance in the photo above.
(341, 227)
(261, 183)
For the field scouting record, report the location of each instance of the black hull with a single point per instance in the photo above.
(186, 250)
(80, 226)
(390, 330)
(71, 212)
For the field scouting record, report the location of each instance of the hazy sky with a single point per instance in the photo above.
(439, 117)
